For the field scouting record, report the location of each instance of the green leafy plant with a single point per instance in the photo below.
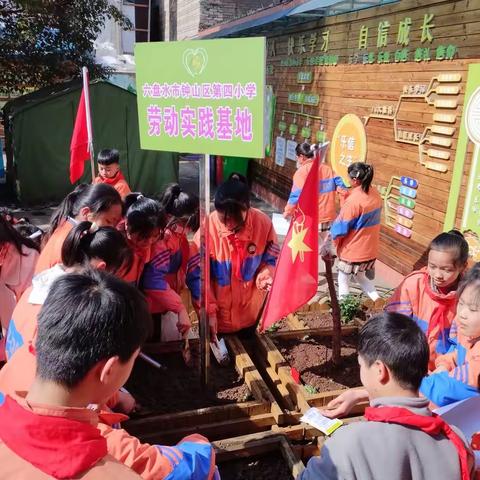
(349, 307)
(311, 390)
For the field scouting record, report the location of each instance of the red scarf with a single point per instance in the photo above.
(444, 304)
(238, 254)
(57, 446)
(112, 181)
(433, 425)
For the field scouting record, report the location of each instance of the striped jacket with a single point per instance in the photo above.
(236, 260)
(328, 184)
(415, 298)
(356, 230)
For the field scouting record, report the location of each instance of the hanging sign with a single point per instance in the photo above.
(202, 96)
(280, 146)
(349, 145)
(291, 150)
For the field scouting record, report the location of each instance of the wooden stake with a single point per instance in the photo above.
(337, 325)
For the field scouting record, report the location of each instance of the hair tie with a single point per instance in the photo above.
(313, 147)
(140, 196)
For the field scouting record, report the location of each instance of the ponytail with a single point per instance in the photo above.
(181, 205)
(362, 172)
(8, 234)
(86, 241)
(306, 149)
(66, 208)
(144, 214)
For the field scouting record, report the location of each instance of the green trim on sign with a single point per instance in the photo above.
(473, 81)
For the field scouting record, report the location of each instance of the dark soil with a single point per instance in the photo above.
(316, 319)
(177, 387)
(311, 356)
(271, 467)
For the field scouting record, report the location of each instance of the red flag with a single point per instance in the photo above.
(81, 137)
(296, 277)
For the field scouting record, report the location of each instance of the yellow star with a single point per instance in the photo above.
(298, 245)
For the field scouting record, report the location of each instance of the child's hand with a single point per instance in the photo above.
(287, 215)
(343, 404)
(126, 403)
(264, 281)
(183, 324)
(212, 322)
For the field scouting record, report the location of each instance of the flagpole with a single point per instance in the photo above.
(89, 119)
(204, 267)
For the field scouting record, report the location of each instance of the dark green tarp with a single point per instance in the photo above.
(39, 128)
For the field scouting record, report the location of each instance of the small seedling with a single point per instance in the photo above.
(273, 328)
(349, 307)
(311, 390)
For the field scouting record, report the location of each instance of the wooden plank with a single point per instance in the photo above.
(317, 332)
(295, 464)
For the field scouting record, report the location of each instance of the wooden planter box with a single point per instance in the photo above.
(292, 396)
(218, 421)
(248, 446)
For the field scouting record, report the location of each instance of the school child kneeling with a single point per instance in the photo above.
(56, 430)
(401, 438)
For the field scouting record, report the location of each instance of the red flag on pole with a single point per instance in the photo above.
(296, 276)
(81, 148)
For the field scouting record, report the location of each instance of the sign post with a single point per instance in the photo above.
(202, 96)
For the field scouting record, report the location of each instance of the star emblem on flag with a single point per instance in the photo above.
(297, 243)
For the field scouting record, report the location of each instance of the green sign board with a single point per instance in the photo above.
(303, 98)
(305, 77)
(202, 96)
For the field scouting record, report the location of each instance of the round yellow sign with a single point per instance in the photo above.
(349, 145)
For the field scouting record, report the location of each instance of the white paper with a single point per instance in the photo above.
(280, 224)
(465, 416)
(326, 425)
(280, 146)
(291, 150)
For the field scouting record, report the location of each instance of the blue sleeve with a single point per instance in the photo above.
(193, 276)
(195, 464)
(442, 389)
(13, 341)
(339, 183)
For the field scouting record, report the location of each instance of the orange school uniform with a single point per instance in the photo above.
(152, 462)
(432, 311)
(328, 185)
(236, 260)
(52, 251)
(118, 182)
(356, 230)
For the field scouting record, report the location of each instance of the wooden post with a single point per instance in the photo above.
(204, 268)
(337, 325)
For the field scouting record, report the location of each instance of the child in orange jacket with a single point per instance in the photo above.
(109, 172)
(165, 276)
(100, 204)
(457, 372)
(429, 295)
(95, 300)
(243, 255)
(328, 185)
(356, 232)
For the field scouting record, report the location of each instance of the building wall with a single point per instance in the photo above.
(364, 88)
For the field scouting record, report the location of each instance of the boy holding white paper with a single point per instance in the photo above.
(402, 438)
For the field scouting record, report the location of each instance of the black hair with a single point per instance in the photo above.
(106, 317)
(453, 241)
(398, 342)
(106, 243)
(108, 156)
(8, 234)
(363, 172)
(181, 205)
(98, 198)
(232, 197)
(144, 215)
(471, 278)
(305, 149)
(30, 231)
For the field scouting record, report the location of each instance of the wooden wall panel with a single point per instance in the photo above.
(356, 88)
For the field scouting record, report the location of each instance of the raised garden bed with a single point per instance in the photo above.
(308, 351)
(173, 404)
(251, 457)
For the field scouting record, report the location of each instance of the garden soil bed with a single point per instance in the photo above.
(177, 387)
(268, 467)
(311, 357)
